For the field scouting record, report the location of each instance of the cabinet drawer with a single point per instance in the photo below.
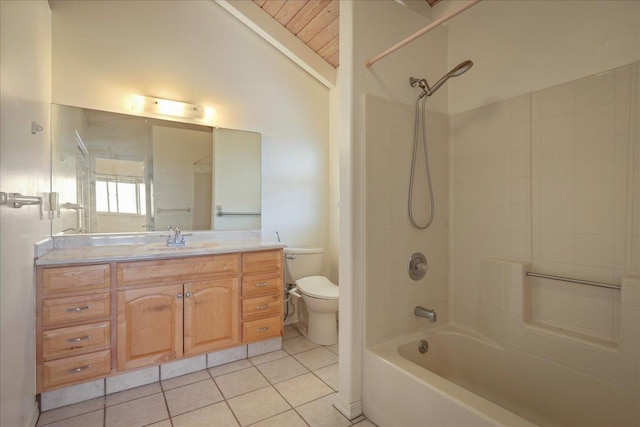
(60, 280)
(172, 270)
(266, 306)
(76, 340)
(262, 262)
(76, 369)
(264, 284)
(72, 309)
(256, 330)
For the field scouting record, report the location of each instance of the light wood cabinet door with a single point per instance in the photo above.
(211, 315)
(149, 326)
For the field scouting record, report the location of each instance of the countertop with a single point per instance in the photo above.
(148, 251)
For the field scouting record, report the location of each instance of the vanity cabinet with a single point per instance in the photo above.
(262, 279)
(188, 317)
(73, 325)
(101, 319)
(161, 323)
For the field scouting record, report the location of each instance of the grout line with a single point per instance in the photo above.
(232, 413)
(68, 418)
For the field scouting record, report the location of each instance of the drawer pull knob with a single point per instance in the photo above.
(86, 337)
(262, 307)
(260, 330)
(80, 369)
(188, 295)
(262, 284)
(179, 296)
(78, 309)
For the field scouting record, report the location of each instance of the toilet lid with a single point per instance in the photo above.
(318, 287)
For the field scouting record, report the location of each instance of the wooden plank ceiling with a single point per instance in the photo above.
(314, 22)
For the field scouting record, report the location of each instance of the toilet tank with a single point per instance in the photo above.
(302, 262)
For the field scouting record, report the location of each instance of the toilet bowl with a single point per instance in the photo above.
(320, 299)
(317, 295)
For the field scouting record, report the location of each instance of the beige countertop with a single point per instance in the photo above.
(148, 251)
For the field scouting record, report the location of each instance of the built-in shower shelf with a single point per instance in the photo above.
(574, 336)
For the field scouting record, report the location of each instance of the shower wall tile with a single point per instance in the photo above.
(390, 295)
(569, 188)
(375, 111)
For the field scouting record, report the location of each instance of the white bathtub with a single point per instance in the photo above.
(464, 380)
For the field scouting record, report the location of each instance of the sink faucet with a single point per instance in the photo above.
(176, 237)
(425, 312)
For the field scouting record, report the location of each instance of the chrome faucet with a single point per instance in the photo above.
(425, 312)
(176, 237)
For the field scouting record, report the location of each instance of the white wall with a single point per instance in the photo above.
(103, 52)
(25, 60)
(523, 46)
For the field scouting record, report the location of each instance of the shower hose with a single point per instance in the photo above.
(420, 133)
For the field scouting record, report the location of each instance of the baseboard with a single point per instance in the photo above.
(349, 410)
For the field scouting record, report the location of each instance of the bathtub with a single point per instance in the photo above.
(464, 380)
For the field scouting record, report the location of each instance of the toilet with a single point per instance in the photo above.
(317, 295)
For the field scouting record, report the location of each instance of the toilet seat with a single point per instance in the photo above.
(318, 287)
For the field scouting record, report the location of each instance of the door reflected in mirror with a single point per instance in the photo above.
(117, 173)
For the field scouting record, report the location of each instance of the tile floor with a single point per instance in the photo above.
(291, 387)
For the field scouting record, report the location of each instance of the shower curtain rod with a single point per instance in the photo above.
(417, 34)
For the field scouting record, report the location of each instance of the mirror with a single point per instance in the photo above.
(120, 173)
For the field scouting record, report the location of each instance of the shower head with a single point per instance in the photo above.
(461, 68)
(430, 90)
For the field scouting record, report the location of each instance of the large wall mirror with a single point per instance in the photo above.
(117, 173)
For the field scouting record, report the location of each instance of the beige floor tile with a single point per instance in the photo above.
(282, 369)
(58, 414)
(91, 419)
(163, 423)
(258, 405)
(230, 367)
(334, 348)
(192, 396)
(139, 412)
(185, 379)
(132, 394)
(321, 413)
(268, 357)
(302, 389)
(218, 415)
(317, 358)
(290, 332)
(330, 375)
(287, 419)
(240, 382)
(298, 344)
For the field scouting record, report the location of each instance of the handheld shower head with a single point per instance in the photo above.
(455, 72)
(459, 69)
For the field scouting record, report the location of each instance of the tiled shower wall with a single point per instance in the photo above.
(549, 179)
(582, 159)
(390, 295)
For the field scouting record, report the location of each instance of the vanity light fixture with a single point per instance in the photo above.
(165, 107)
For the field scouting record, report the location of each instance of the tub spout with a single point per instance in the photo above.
(425, 312)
